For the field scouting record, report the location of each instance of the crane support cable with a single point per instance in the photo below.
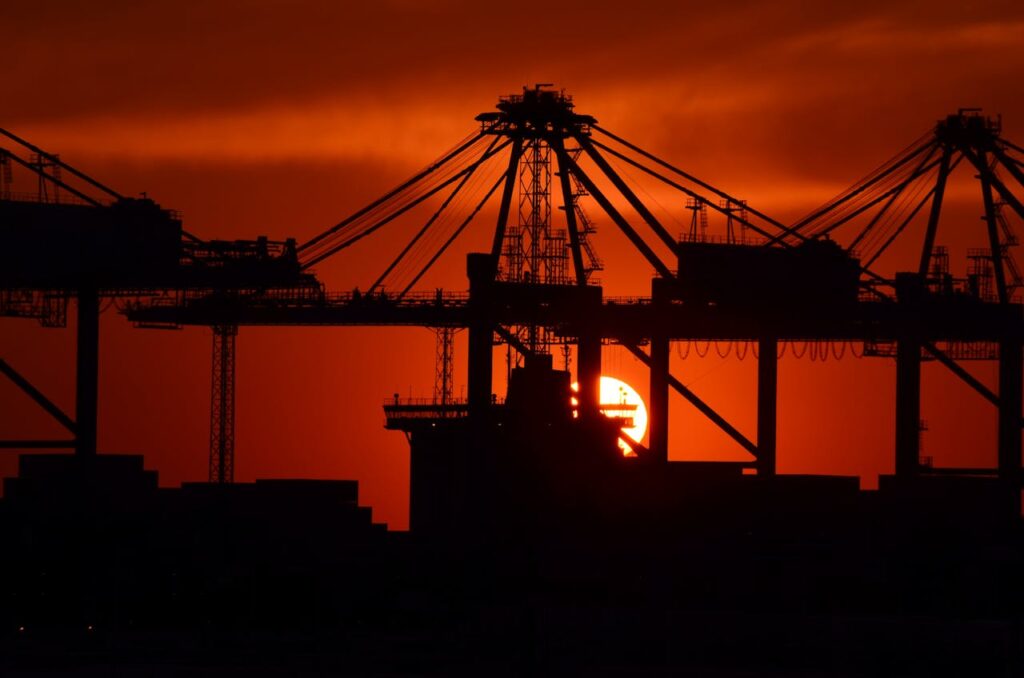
(54, 159)
(895, 191)
(882, 237)
(905, 200)
(685, 175)
(910, 217)
(875, 220)
(405, 208)
(456, 234)
(880, 187)
(438, 233)
(935, 194)
(696, 196)
(430, 222)
(853, 193)
(386, 205)
(397, 203)
(387, 196)
(875, 176)
(688, 191)
(332, 247)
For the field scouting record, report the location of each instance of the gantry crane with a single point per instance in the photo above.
(76, 237)
(769, 282)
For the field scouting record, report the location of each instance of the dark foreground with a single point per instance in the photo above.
(103, 574)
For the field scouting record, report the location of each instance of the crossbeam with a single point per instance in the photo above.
(35, 394)
(697, 402)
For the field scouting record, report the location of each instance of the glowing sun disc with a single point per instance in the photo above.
(617, 392)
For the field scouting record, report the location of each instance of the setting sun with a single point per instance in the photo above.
(619, 399)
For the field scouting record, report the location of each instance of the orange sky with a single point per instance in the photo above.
(281, 118)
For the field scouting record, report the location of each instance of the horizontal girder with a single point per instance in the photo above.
(619, 319)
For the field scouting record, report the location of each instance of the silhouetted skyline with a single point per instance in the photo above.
(784, 108)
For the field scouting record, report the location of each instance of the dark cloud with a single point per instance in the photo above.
(68, 59)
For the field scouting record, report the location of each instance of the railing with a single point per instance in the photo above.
(424, 408)
(745, 239)
(418, 299)
(62, 198)
(627, 301)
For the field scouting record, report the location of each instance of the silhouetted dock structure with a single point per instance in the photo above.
(535, 544)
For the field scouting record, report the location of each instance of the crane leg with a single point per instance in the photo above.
(222, 405)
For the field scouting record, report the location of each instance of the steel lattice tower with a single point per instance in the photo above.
(443, 365)
(222, 405)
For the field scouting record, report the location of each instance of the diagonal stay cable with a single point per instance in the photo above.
(456, 234)
(409, 182)
(874, 177)
(851, 194)
(903, 225)
(685, 175)
(923, 168)
(430, 222)
(393, 209)
(440, 232)
(690, 192)
(880, 186)
(391, 217)
(54, 159)
(395, 201)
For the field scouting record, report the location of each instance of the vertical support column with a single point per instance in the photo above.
(87, 377)
(1011, 402)
(222, 405)
(588, 353)
(444, 355)
(908, 407)
(588, 374)
(935, 213)
(480, 269)
(767, 404)
(991, 221)
(658, 395)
